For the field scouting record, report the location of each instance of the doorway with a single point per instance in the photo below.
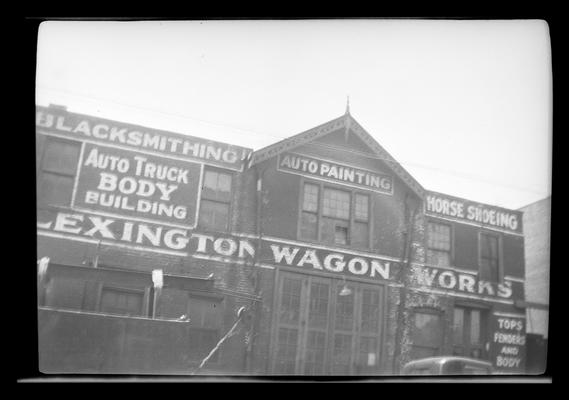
(326, 326)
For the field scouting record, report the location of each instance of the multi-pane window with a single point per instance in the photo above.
(439, 244)
(335, 216)
(286, 352)
(57, 172)
(489, 257)
(318, 307)
(336, 204)
(360, 235)
(341, 354)
(426, 334)
(309, 217)
(370, 310)
(367, 356)
(290, 303)
(315, 350)
(344, 310)
(468, 332)
(215, 201)
(339, 217)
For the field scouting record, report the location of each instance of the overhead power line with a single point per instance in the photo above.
(463, 175)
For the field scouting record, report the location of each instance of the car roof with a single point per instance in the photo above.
(445, 359)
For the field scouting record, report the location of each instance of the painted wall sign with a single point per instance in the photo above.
(465, 283)
(114, 230)
(331, 261)
(137, 185)
(437, 204)
(150, 235)
(335, 172)
(105, 131)
(508, 343)
(231, 248)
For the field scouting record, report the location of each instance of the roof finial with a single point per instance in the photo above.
(347, 118)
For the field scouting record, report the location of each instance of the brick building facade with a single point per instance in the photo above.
(344, 263)
(537, 227)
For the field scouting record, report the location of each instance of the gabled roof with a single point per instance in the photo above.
(346, 122)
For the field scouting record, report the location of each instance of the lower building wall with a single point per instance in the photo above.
(76, 336)
(151, 346)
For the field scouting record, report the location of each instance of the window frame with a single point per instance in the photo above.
(466, 344)
(431, 311)
(500, 272)
(452, 242)
(41, 171)
(145, 307)
(351, 221)
(228, 203)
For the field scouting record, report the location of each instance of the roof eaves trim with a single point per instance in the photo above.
(321, 130)
(296, 140)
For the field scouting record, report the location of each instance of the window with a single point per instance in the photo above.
(360, 235)
(215, 201)
(469, 327)
(489, 257)
(57, 172)
(427, 334)
(438, 244)
(309, 218)
(334, 216)
(122, 301)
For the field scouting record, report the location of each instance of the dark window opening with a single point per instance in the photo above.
(489, 257)
(57, 172)
(215, 201)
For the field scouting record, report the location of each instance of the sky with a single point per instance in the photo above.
(465, 106)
